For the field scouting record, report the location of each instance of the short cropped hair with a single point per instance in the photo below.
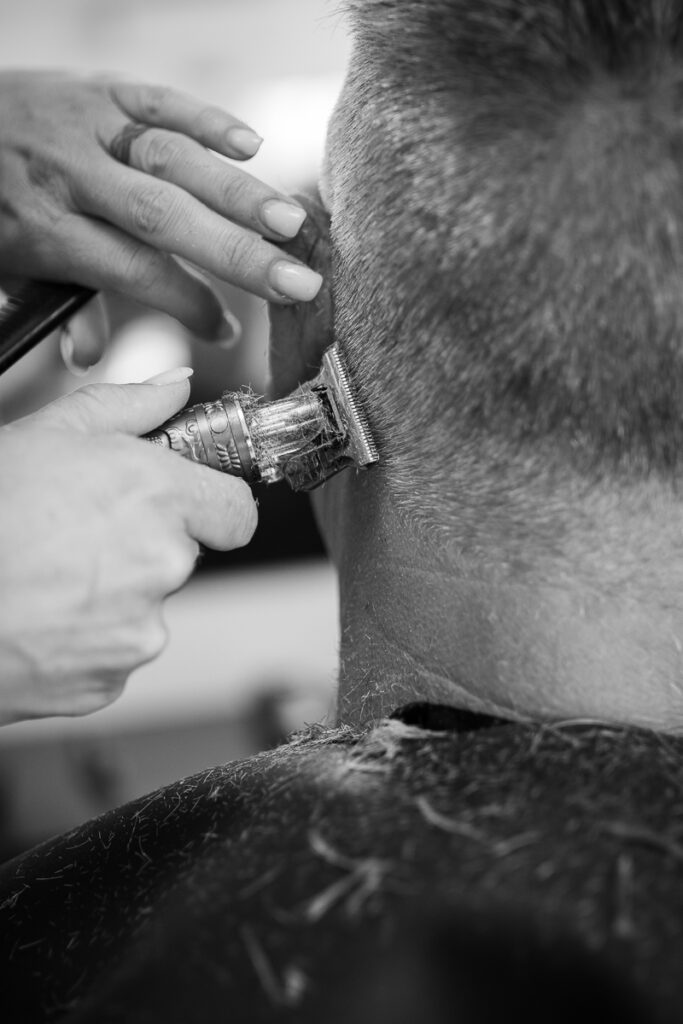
(508, 235)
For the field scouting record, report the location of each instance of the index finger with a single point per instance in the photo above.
(218, 510)
(163, 107)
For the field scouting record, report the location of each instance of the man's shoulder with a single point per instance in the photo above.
(266, 880)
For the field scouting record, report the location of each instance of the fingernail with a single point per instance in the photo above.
(295, 281)
(283, 218)
(174, 376)
(67, 349)
(244, 140)
(230, 331)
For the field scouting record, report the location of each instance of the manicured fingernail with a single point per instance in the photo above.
(294, 281)
(283, 218)
(244, 140)
(174, 376)
(229, 332)
(67, 349)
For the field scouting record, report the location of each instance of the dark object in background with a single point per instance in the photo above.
(443, 717)
(468, 968)
(32, 311)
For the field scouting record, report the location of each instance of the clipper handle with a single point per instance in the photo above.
(293, 439)
(213, 433)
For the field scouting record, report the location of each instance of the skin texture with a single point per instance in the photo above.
(513, 624)
(84, 199)
(98, 528)
(417, 624)
(519, 546)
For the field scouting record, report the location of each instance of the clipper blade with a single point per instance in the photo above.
(304, 439)
(359, 444)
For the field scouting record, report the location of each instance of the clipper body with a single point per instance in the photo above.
(304, 439)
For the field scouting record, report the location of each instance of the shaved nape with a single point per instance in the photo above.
(507, 231)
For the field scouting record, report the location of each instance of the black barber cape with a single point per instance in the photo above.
(437, 867)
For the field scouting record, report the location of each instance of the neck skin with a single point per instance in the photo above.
(523, 643)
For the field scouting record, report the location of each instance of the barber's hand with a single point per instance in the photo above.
(104, 182)
(96, 529)
(299, 335)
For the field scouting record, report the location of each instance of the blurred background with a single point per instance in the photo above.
(253, 646)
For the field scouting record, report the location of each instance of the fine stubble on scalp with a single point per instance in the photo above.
(507, 203)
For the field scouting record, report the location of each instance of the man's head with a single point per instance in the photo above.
(504, 180)
(506, 184)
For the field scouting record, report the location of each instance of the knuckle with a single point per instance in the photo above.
(52, 183)
(141, 267)
(178, 565)
(208, 121)
(158, 154)
(240, 251)
(110, 689)
(115, 690)
(151, 209)
(104, 686)
(152, 99)
(151, 641)
(237, 192)
(41, 172)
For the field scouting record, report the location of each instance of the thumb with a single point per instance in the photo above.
(118, 408)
